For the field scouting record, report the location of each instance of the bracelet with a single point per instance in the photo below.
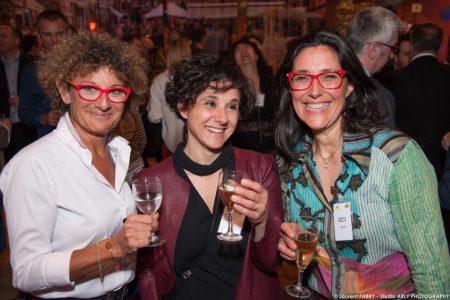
(99, 261)
(109, 247)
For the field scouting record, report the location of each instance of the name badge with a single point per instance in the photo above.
(260, 100)
(342, 218)
(238, 222)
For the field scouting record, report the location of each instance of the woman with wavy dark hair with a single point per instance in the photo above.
(363, 187)
(255, 131)
(210, 94)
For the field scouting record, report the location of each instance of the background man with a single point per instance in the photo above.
(35, 109)
(373, 33)
(402, 56)
(11, 66)
(422, 92)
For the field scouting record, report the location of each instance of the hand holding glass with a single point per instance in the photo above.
(306, 249)
(147, 192)
(229, 179)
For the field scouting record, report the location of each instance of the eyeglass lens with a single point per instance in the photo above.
(329, 80)
(93, 93)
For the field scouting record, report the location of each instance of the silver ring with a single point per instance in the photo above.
(256, 207)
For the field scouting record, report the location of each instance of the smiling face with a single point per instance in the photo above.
(320, 109)
(94, 118)
(211, 120)
(245, 54)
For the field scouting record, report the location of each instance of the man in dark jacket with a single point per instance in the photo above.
(422, 93)
(11, 66)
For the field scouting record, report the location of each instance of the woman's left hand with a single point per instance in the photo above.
(250, 199)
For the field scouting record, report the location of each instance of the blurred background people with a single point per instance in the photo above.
(198, 41)
(29, 46)
(422, 93)
(131, 126)
(70, 214)
(157, 65)
(35, 106)
(210, 94)
(336, 156)
(255, 131)
(158, 110)
(373, 34)
(444, 184)
(402, 55)
(12, 66)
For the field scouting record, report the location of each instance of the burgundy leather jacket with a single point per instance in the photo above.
(258, 278)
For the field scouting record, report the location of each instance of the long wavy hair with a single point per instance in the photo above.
(360, 111)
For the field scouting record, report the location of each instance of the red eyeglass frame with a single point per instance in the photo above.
(106, 91)
(289, 75)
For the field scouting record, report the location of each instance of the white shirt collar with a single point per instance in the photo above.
(423, 54)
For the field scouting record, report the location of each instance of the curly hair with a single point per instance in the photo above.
(86, 53)
(360, 111)
(193, 75)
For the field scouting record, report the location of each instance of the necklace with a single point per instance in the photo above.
(327, 159)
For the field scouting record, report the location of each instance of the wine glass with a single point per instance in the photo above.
(147, 193)
(306, 249)
(229, 179)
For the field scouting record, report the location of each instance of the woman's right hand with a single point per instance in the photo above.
(286, 245)
(135, 234)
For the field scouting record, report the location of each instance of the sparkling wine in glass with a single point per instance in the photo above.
(306, 249)
(147, 192)
(229, 180)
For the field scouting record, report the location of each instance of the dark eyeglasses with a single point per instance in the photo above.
(328, 80)
(393, 48)
(92, 92)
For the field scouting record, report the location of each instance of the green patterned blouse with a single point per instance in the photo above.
(399, 245)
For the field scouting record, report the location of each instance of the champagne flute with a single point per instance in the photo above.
(229, 179)
(147, 192)
(306, 249)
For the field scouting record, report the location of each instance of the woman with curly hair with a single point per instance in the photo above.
(209, 93)
(70, 214)
(255, 131)
(370, 190)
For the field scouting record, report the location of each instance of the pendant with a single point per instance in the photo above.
(325, 165)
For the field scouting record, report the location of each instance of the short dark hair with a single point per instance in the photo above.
(27, 42)
(193, 75)
(17, 33)
(426, 37)
(360, 111)
(197, 35)
(402, 38)
(51, 15)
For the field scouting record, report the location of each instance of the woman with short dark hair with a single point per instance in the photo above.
(210, 94)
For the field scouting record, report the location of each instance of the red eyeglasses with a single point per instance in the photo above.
(92, 92)
(328, 80)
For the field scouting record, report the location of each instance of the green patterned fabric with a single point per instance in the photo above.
(392, 190)
(414, 202)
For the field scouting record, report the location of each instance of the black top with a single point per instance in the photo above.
(205, 267)
(256, 131)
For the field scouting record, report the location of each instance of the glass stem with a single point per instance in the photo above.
(300, 278)
(230, 221)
